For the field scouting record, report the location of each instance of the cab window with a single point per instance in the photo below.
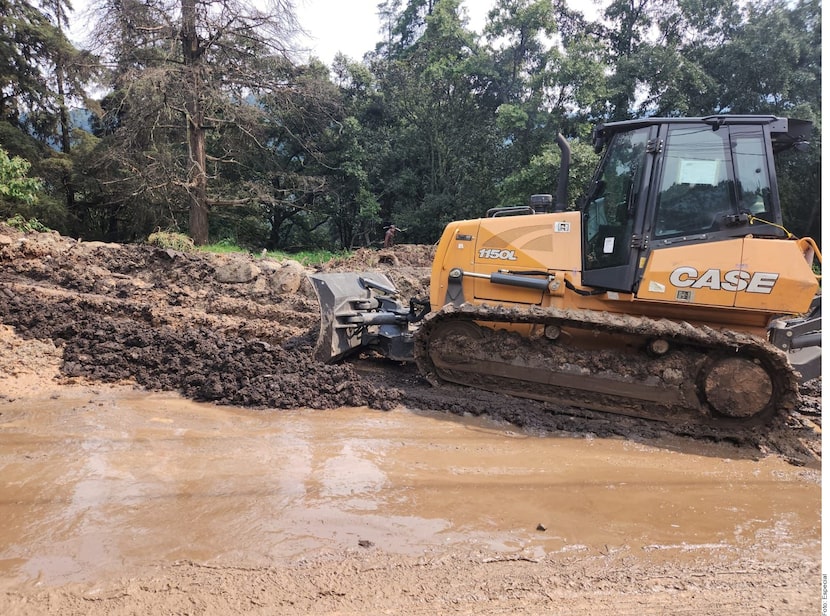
(609, 212)
(696, 188)
(751, 173)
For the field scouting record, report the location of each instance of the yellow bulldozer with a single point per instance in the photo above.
(673, 293)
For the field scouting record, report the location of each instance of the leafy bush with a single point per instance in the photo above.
(28, 226)
(15, 185)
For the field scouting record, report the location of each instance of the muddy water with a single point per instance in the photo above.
(107, 482)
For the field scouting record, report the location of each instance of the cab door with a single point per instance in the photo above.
(614, 213)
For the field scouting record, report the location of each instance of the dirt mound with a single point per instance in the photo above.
(215, 328)
(235, 329)
(401, 255)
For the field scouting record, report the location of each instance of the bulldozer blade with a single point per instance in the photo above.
(348, 305)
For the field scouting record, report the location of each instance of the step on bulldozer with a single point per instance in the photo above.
(673, 293)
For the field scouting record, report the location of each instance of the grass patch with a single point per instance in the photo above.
(306, 257)
(223, 246)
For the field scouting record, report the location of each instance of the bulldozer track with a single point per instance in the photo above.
(719, 378)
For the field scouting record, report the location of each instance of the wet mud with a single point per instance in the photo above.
(120, 480)
(287, 486)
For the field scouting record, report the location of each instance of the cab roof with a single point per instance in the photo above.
(785, 132)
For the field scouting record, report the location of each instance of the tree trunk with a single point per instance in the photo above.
(66, 138)
(197, 176)
(197, 180)
(63, 111)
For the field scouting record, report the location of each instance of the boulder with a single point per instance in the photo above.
(236, 270)
(288, 278)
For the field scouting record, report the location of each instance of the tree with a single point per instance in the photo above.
(184, 71)
(525, 67)
(41, 75)
(438, 138)
(770, 63)
(353, 207)
(541, 174)
(548, 78)
(290, 178)
(208, 124)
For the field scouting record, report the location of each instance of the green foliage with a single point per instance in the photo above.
(222, 246)
(31, 225)
(27, 196)
(41, 75)
(439, 123)
(310, 257)
(542, 174)
(15, 185)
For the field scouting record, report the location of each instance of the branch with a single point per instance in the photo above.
(229, 202)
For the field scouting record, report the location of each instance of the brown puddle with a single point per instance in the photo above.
(108, 482)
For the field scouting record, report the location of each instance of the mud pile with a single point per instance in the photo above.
(237, 329)
(223, 328)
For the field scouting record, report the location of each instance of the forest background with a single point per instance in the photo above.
(198, 116)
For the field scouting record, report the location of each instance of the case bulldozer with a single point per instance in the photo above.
(673, 293)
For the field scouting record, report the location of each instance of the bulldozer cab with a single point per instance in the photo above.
(669, 181)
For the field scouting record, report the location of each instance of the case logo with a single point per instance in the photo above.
(732, 280)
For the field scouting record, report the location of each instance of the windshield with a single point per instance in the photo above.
(708, 175)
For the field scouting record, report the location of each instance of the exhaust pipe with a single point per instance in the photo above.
(564, 174)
